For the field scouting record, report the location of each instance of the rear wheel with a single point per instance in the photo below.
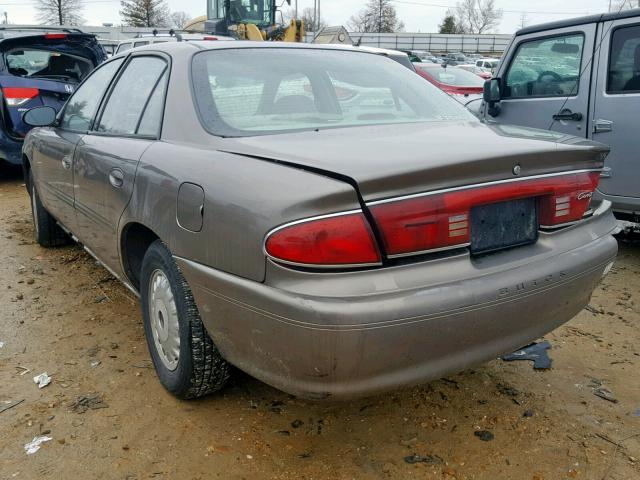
(46, 230)
(187, 362)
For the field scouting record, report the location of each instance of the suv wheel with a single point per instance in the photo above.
(46, 230)
(187, 362)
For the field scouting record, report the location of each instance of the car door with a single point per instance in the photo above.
(107, 157)
(54, 153)
(616, 105)
(546, 80)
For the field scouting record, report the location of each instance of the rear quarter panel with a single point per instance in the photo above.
(244, 199)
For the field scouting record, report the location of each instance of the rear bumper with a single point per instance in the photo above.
(352, 334)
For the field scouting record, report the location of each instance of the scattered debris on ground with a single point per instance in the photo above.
(88, 402)
(34, 445)
(536, 352)
(42, 380)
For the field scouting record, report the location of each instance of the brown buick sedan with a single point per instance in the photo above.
(320, 217)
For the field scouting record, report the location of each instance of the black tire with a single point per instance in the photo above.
(200, 369)
(45, 228)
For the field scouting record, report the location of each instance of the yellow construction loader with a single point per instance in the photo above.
(247, 20)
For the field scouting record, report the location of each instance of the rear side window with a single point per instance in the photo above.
(152, 116)
(549, 67)
(123, 47)
(624, 61)
(82, 106)
(131, 96)
(141, 44)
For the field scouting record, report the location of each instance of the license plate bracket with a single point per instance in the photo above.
(503, 225)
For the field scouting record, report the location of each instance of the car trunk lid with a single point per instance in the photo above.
(394, 160)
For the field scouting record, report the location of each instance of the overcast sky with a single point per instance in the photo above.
(418, 15)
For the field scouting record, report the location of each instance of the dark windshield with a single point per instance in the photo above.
(242, 92)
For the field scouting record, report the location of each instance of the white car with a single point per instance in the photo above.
(486, 65)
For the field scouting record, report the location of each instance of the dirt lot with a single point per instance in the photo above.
(64, 315)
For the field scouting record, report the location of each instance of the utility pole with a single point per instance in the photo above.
(320, 16)
(296, 16)
(380, 18)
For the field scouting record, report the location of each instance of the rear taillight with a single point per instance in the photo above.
(210, 38)
(441, 220)
(55, 36)
(329, 241)
(16, 96)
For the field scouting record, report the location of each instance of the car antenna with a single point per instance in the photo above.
(588, 65)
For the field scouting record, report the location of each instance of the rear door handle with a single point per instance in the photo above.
(567, 114)
(602, 126)
(116, 177)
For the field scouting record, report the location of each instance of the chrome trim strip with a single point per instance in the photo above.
(433, 250)
(479, 185)
(311, 265)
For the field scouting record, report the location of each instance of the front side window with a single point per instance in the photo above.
(243, 92)
(82, 106)
(624, 61)
(549, 67)
(131, 95)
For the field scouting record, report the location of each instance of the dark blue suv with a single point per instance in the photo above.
(39, 67)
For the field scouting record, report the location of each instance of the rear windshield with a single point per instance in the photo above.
(243, 92)
(456, 77)
(35, 63)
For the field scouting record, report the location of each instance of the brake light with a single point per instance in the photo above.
(55, 36)
(210, 38)
(441, 220)
(16, 96)
(329, 241)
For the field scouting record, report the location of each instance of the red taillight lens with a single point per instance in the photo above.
(441, 219)
(210, 38)
(55, 36)
(569, 201)
(329, 241)
(16, 96)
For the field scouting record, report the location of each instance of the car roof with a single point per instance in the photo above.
(12, 33)
(171, 47)
(574, 22)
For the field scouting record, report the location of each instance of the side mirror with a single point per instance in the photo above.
(491, 96)
(40, 116)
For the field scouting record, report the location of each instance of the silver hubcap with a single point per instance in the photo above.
(34, 209)
(163, 315)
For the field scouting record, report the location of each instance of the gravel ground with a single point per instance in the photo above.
(108, 417)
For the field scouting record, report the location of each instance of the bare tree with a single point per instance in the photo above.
(619, 5)
(478, 16)
(59, 12)
(145, 13)
(378, 16)
(179, 19)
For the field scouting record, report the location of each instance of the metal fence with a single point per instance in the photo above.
(435, 42)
